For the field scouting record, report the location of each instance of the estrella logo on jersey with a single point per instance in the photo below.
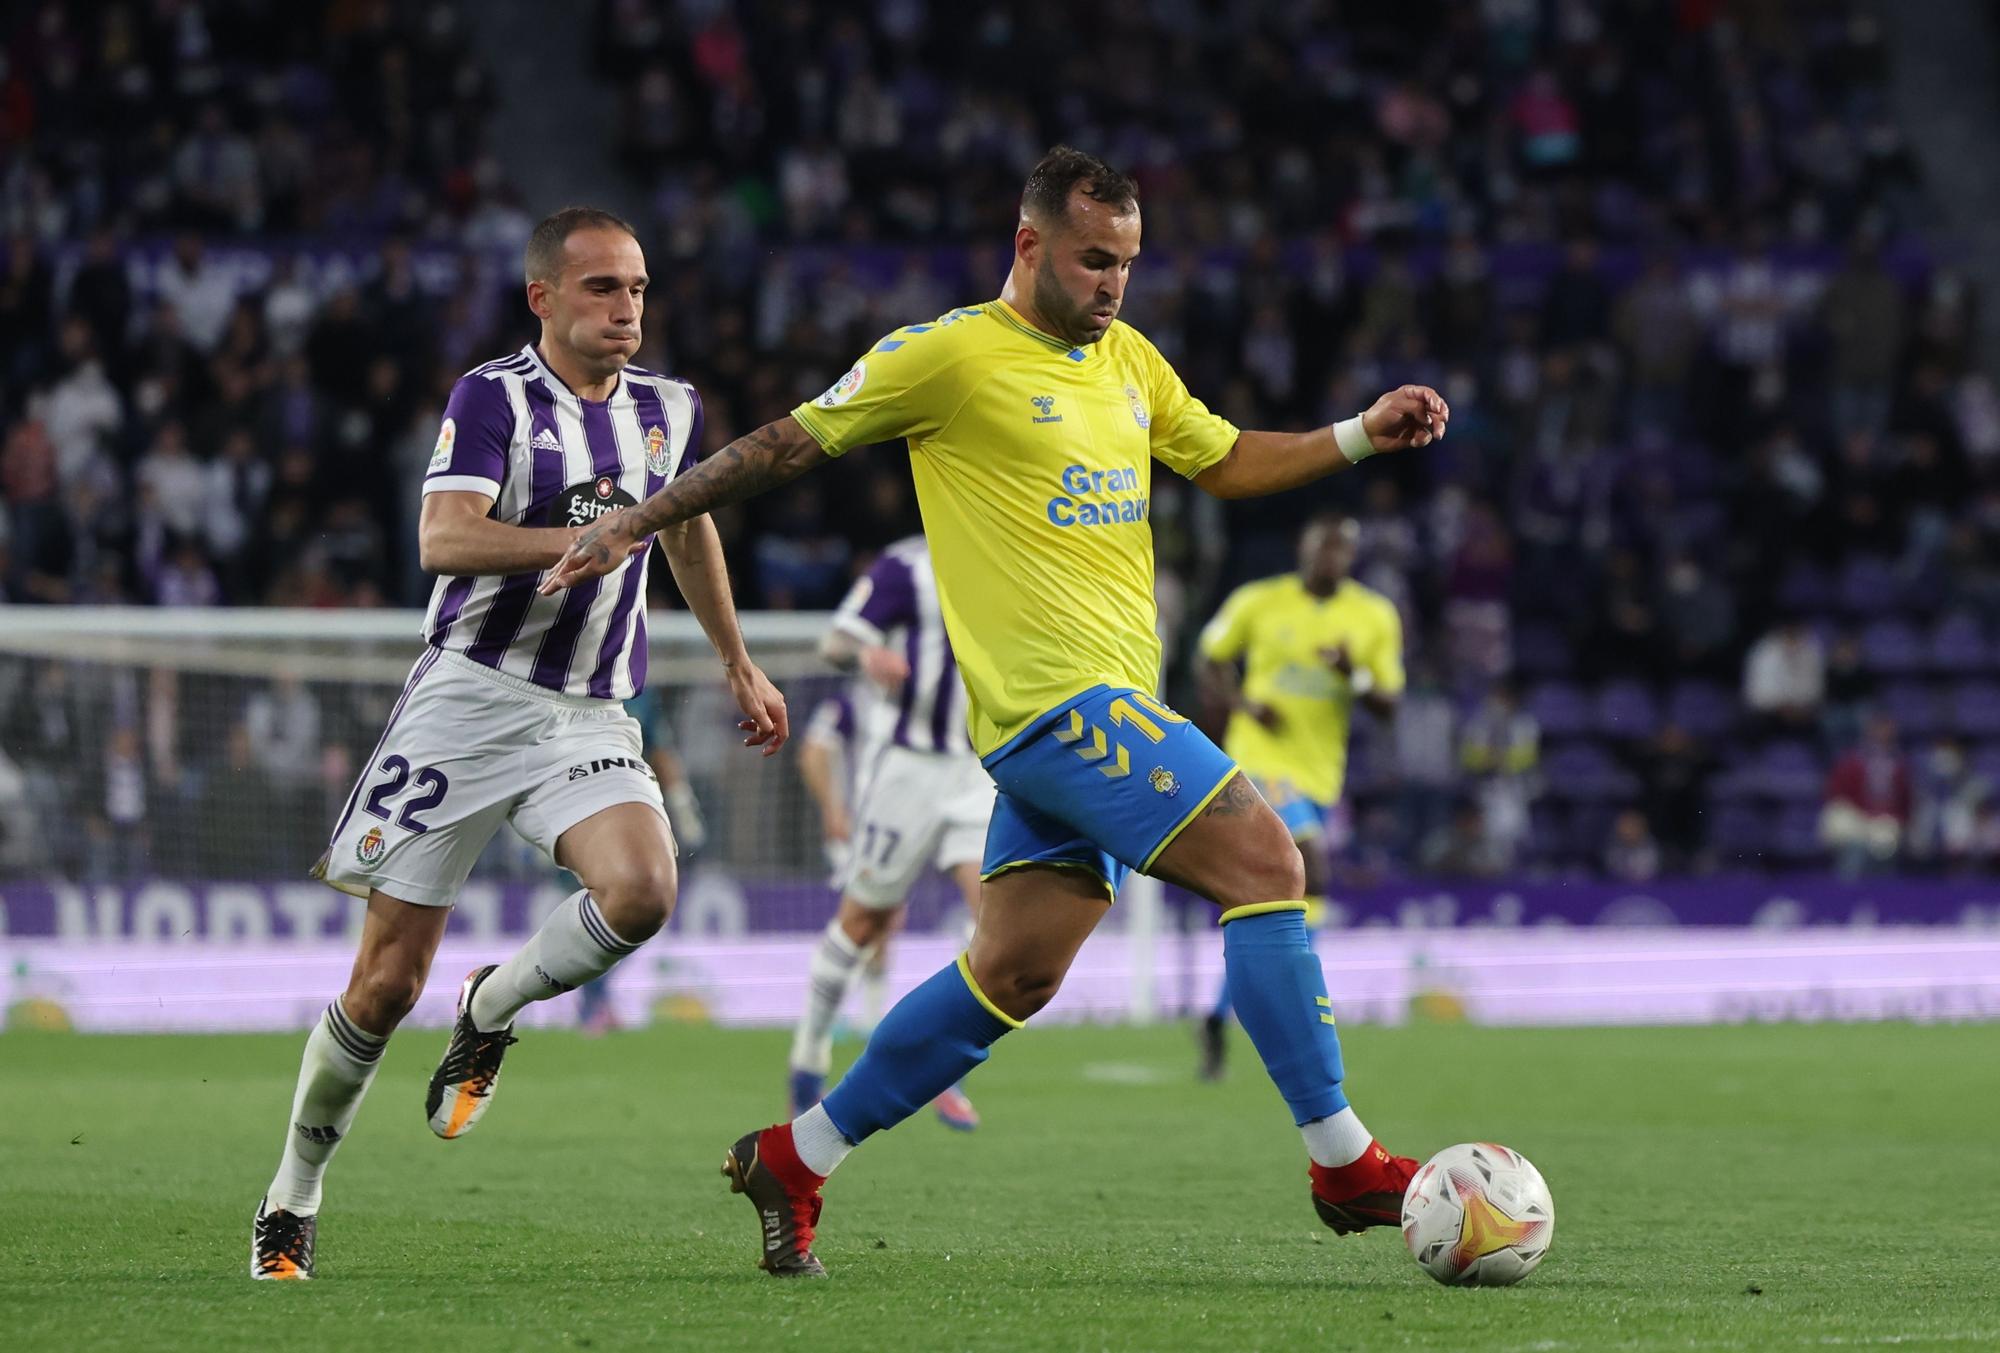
(1070, 508)
(372, 847)
(657, 463)
(1046, 405)
(1139, 413)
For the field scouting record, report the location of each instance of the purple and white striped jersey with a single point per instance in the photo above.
(895, 604)
(514, 431)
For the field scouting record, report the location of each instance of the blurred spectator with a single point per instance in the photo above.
(1631, 855)
(244, 832)
(1850, 687)
(117, 824)
(1464, 847)
(1500, 748)
(1699, 617)
(1426, 757)
(1674, 772)
(1868, 803)
(230, 304)
(1944, 825)
(1784, 678)
(1862, 312)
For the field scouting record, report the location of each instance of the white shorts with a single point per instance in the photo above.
(915, 809)
(465, 750)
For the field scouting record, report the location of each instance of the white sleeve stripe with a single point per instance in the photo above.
(462, 483)
(859, 628)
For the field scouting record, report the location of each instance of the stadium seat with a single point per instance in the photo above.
(1627, 710)
(1807, 590)
(1893, 647)
(1703, 708)
(1795, 836)
(1958, 646)
(1584, 771)
(1790, 770)
(1741, 832)
(1975, 709)
(1562, 710)
(1868, 586)
(1541, 651)
(1915, 707)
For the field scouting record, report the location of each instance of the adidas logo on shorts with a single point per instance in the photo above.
(546, 440)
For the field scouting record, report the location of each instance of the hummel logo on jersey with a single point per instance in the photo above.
(577, 772)
(545, 440)
(1045, 404)
(323, 1136)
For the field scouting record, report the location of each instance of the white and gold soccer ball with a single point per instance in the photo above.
(1478, 1215)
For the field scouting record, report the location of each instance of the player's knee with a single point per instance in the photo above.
(863, 926)
(637, 898)
(381, 994)
(1022, 989)
(1270, 871)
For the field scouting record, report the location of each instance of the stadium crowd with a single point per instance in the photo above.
(1707, 574)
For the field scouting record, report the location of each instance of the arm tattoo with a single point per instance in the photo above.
(1236, 797)
(774, 454)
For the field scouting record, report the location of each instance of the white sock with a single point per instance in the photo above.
(1336, 1140)
(874, 987)
(833, 964)
(818, 1141)
(339, 1063)
(574, 946)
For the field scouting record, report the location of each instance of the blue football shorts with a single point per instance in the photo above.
(1102, 782)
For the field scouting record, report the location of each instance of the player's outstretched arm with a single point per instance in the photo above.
(455, 537)
(1271, 462)
(774, 454)
(694, 552)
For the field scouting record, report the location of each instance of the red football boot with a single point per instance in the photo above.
(766, 1167)
(1367, 1193)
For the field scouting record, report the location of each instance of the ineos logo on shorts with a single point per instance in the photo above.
(578, 771)
(582, 504)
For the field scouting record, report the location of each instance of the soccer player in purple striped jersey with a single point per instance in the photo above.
(921, 796)
(513, 715)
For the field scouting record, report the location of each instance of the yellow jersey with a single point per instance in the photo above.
(1278, 629)
(1033, 469)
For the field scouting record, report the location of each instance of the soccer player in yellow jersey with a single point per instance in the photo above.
(1033, 421)
(1311, 645)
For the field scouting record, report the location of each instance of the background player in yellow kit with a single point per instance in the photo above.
(1033, 421)
(1311, 645)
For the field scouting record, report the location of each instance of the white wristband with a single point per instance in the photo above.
(1352, 439)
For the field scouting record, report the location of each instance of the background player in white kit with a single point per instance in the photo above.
(828, 754)
(921, 796)
(513, 714)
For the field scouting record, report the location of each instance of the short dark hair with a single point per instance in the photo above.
(544, 256)
(1064, 170)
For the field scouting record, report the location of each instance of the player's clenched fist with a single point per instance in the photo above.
(1408, 416)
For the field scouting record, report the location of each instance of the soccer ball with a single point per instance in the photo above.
(1478, 1215)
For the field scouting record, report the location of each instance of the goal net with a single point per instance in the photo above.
(167, 778)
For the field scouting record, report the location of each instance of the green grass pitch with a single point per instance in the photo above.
(1740, 1188)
